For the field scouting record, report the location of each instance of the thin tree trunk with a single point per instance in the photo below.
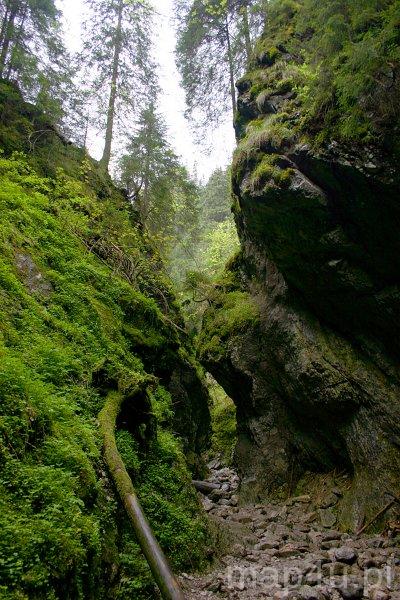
(146, 187)
(18, 38)
(4, 25)
(231, 66)
(114, 89)
(9, 30)
(246, 32)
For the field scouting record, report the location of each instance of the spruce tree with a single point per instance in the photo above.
(214, 45)
(117, 59)
(158, 186)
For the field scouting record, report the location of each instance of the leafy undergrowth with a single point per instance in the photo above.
(321, 72)
(75, 319)
(337, 62)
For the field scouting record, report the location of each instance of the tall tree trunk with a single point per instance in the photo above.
(17, 39)
(114, 89)
(86, 133)
(8, 34)
(145, 196)
(231, 66)
(246, 32)
(4, 25)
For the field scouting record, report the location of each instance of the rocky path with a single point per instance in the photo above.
(283, 551)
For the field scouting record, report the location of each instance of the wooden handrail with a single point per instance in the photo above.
(151, 549)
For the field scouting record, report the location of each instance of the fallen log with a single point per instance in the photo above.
(394, 500)
(151, 549)
(205, 487)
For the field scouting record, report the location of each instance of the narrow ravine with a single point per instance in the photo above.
(199, 300)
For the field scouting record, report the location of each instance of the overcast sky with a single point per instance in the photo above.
(172, 100)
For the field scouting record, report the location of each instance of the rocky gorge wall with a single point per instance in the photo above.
(312, 364)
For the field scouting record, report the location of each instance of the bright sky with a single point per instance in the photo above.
(172, 101)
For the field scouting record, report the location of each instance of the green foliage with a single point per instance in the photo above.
(221, 243)
(263, 137)
(268, 173)
(80, 295)
(159, 187)
(129, 450)
(170, 503)
(32, 53)
(201, 258)
(214, 45)
(231, 312)
(346, 60)
(223, 418)
(161, 403)
(116, 61)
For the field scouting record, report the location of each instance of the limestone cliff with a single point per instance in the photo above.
(315, 373)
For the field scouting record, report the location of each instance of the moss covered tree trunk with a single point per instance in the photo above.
(151, 549)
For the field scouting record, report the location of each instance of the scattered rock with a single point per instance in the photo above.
(238, 550)
(207, 504)
(274, 553)
(267, 544)
(331, 500)
(346, 554)
(378, 594)
(214, 586)
(337, 568)
(350, 588)
(310, 593)
(289, 550)
(327, 517)
(310, 517)
(328, 536)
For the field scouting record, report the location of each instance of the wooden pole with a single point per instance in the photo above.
(155, 557)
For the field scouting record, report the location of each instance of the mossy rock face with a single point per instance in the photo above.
(315, 378)
(76, 322)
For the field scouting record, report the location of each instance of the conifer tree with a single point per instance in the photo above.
(214, 45)
(33, 54)
(116, 55)
(158, 186)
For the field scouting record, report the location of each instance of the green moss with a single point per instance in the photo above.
(335, 57)
(230, 313)
(270, 55)
(223, 418)
(162, 404)
(164, 488)
(263, 136)
(74, 324)
(267, 172)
